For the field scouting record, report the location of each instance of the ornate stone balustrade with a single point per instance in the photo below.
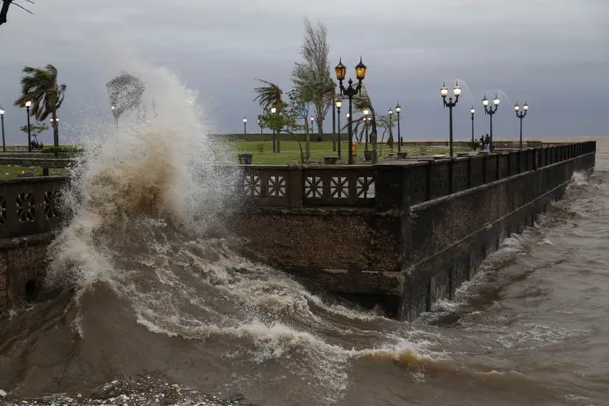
(30, 205)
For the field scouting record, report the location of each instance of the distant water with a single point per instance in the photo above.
(156, 293)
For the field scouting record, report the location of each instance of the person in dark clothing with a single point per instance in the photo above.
(487, 143)
(482, 139)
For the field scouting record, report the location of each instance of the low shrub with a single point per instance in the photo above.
(65, 148)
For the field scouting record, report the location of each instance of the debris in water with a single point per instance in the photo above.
(138, 391)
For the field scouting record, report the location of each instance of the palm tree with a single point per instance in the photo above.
(268, 96)
(39, 85)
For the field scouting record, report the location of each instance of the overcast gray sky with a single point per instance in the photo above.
(552, 53)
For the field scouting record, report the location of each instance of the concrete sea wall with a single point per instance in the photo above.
(401, 234)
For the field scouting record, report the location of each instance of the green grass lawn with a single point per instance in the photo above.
(10, 172)
(319, 150)
(290, 153)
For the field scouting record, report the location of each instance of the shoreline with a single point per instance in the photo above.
(133, 391)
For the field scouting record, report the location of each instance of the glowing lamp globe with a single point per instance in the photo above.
(360, 70)
(340, 71)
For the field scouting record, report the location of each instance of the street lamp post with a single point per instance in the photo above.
(491, 111)
(338, 104)
(116, 118)
(520, 116)
(245, 122)
(398, 109)
(273, 110)
(390, 113)
(350, 92)
(472, 111)
(54, 123)
(2, 122)
(366, 113)
(451, 104)
(313, 119)
(28, 104)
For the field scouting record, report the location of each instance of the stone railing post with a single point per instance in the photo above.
(450, 174)
(469, 180)
(295, 187)
(390, 187)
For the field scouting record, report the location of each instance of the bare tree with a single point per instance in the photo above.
(311, 77)
(6, 4)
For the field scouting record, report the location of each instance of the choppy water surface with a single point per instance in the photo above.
(164, 292)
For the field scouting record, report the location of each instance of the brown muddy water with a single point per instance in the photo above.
(152, 298)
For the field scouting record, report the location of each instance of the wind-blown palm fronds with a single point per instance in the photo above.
(268, 96)
(39, 86)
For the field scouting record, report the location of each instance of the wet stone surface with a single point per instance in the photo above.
(139, 391)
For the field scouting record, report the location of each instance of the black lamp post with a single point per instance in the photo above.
(451, 104)
(491, 111)
(116, 118)
(313, 120)
(366, 113)
(520, 116)
(472, 111)
(54, 124)
(350, 92)
(245, 122)
(2, 122)
(273, 110)
(28, 104)
(338, 104)
(398, 109)
(390, 114)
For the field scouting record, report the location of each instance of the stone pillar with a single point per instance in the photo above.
(390, 187)
(295, 187)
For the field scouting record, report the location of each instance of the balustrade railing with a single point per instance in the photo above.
(32, 205)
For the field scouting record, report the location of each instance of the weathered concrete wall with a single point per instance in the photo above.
(350, 250)
(450, 236)
(22, 266)
(410, 250)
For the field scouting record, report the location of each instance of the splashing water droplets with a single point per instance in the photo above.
(145, 201)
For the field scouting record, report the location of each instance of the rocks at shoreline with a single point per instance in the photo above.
(138, 391)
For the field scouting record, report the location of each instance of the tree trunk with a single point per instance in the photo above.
(320, 118)
(307, 142)
(4, 10)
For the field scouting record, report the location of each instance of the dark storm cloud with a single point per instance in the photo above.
(554, 54)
